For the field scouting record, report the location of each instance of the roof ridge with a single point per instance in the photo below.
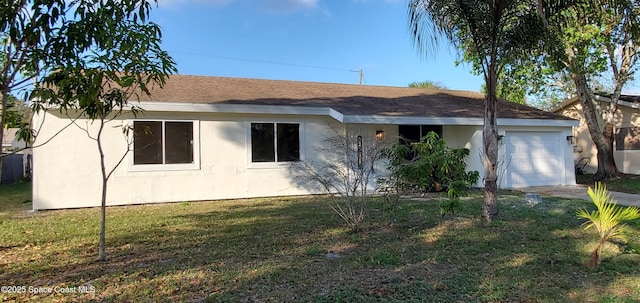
(299, 82)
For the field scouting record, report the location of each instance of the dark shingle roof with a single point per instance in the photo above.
(346, 98)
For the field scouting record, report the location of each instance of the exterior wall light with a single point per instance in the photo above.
(571, 140)
(379, 134)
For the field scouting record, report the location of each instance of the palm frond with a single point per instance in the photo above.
(608, 218)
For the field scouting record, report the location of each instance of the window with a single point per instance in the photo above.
(275, 142)
(163, 142)
(415, 133)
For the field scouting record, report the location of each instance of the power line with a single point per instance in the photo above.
(361, 75)
(265, 61)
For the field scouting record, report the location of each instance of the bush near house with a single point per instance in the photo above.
(429, 165)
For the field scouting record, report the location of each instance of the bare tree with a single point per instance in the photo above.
(111, 66)
(350, 176)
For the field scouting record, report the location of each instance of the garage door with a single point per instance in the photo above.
(534, 159)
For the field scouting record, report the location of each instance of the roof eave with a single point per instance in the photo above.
(597, 98)
(564, 104)
(240, 108)
(356, 119)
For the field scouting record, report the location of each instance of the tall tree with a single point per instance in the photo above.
(116, 56)
(23, 33)
(427, 84)
(17, 113)
(495, 32)
(518, 95)
(603, 34)
(591, 45)
(511, 84)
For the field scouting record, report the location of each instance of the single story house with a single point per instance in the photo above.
(627, 132)
(16, 162)
(10, 141)
(204, 138)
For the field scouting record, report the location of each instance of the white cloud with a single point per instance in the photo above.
(288, 6)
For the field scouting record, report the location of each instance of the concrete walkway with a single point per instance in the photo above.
(580, 192)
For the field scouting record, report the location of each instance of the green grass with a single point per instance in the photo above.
(625, 183)
(274, 250)
(15, 197)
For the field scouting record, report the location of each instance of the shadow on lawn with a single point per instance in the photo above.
(275, 250)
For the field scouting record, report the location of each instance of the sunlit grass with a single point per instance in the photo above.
(625, 183)
(296, 250)
(15, 197)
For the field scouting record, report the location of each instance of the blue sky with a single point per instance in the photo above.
(236, 38)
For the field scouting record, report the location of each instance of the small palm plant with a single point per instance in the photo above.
(607, 219)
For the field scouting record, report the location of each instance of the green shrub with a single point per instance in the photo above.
(452, 206)
(429, 165)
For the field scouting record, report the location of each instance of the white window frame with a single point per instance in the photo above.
(167, 167)
(301, 133)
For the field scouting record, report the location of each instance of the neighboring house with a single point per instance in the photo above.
(16, 165)
(10, 140)
(204, 138)
(627, 132)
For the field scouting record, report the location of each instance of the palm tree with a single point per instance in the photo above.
(607, 219)
(492, 33)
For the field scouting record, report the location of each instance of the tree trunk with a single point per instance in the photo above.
(602, 137)
(490, 145)
(595, 255)
(103, 204)
(3, 117)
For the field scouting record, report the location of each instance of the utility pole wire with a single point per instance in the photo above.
(273, 62)
(358, 71)
(263, 61)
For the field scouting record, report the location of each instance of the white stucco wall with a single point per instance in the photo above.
(67, 169)
(627, 161)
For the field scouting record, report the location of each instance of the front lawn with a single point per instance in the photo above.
(296, 250)
(14, 198)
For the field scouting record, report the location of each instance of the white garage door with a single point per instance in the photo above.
(534, 159)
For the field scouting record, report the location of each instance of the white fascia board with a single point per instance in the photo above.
(564, 104)
(620, 102)
(373, 119)
(239, 108)
(336, 115)
(454, 121)
(537, 122)
(629, 104)
(601, 98)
